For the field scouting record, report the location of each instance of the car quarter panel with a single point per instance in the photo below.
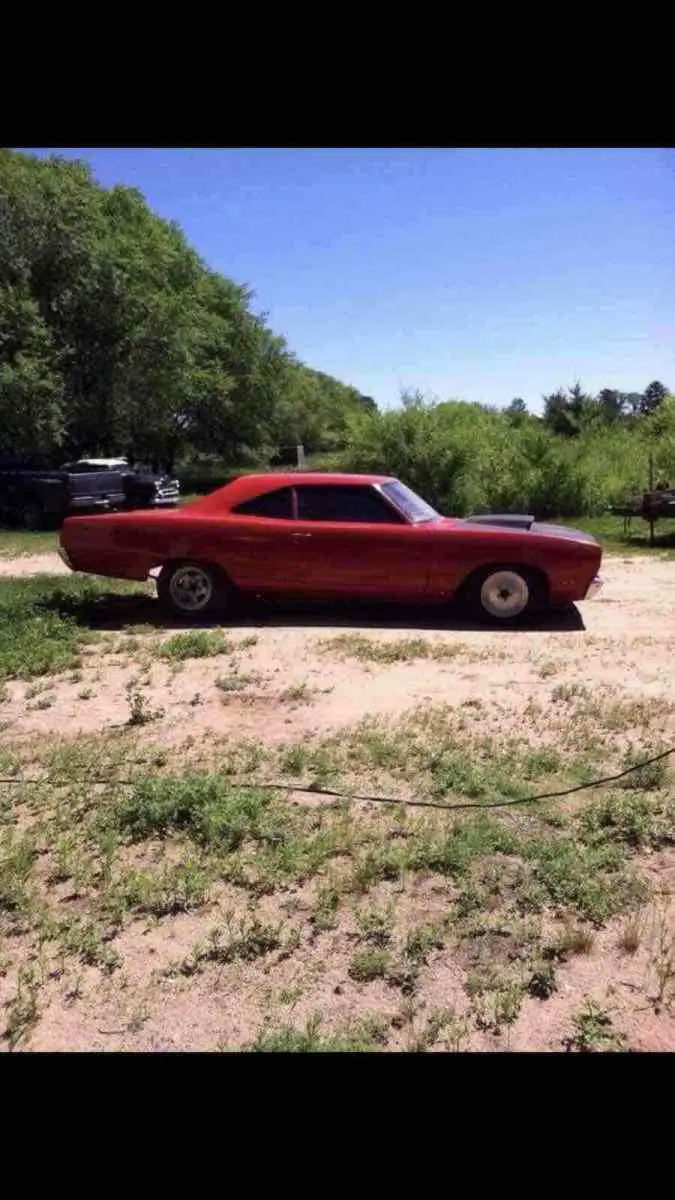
(568, 564)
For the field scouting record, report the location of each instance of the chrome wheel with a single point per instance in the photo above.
(504, 594)
(191, 588)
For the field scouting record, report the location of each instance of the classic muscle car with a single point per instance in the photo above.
(332, 537)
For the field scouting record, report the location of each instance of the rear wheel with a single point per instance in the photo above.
(501, 595)
(191, 589)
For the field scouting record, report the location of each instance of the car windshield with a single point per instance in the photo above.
(412, 506)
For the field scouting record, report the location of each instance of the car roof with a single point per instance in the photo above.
(245, 487)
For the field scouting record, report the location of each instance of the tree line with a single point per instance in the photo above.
(569, 411)
(116, 337)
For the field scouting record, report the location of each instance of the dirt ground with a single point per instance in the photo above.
(302, 683)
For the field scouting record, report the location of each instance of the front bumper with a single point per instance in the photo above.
(594, 588)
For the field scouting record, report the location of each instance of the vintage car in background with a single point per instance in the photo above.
(336, 537)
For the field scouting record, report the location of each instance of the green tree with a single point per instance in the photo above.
(653, 395)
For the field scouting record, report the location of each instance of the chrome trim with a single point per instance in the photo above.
(594, 587)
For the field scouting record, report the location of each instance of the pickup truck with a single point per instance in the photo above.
(142, 488)
(34, 496)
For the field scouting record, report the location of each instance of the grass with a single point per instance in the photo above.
(358, 1037)
(365, 649)
(593, 1030)
(199, 643)
(19, 543)
(39, 631)
(252, 940)
(520, 891)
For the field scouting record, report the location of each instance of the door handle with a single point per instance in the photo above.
(296, 536)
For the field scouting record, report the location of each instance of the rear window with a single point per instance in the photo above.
(337, 502)
(277, 504)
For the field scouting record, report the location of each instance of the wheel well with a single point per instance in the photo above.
(534, 575)
(168, 563)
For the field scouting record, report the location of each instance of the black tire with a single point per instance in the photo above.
(504, 594)
(192, 590)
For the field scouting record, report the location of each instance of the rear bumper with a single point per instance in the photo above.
(594, 588)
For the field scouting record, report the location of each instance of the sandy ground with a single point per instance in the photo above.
(622, 642)
(622, 639)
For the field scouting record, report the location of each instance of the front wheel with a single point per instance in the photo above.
(191, 589)
(501, 595)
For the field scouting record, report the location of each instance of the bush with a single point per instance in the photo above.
(467, 457)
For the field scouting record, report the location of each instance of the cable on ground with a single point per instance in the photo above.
(316, 790)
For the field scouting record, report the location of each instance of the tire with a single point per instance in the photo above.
(192, 589)
(503, 595)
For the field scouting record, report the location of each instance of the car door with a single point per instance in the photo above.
(350, 541)
(260, 548)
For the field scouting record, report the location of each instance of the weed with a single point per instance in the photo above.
(351, 645)
(199, 643)
(326, 905)
(23, 1012)
(369, 964)
(361, 1037)
(236, 681)
(375, 924)
(16, 862)
(180, 887)
(593, 1030)
(140, 712)
(573, 939)
(290, 996)
(85, 694)
(564, 693)
(542, 983)
(442, 1025)
(252, 940)
(662, 958)
(297, 693)
(630, 935)
(644, 778)
(498, 1005)
(547, 668)
(206, 806)
(88, 941)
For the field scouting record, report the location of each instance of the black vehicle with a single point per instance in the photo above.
(34, 495)
(142, 488)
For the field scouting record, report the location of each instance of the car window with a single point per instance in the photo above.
(416, 509)
(342, 502)
(277, 504)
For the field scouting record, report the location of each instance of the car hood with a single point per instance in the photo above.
(526, 523)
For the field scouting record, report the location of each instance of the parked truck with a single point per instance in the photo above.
(35, 496)
(142, 488)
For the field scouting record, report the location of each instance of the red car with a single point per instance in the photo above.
(335, 537)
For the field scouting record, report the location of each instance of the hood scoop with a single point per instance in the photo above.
(508, 520)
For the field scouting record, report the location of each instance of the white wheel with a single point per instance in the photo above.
(504, 595)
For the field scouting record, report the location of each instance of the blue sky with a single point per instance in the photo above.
(481, 274)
